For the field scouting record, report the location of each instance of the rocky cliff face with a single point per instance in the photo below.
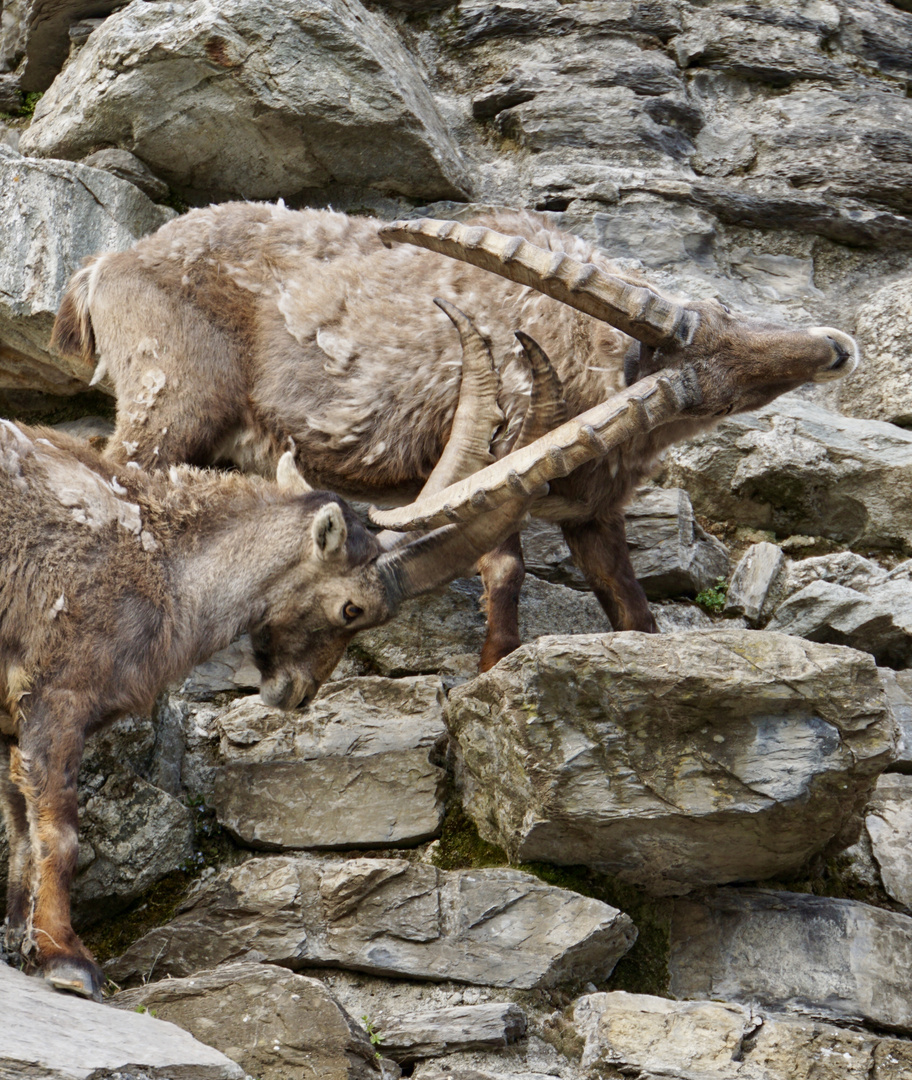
(682, 856)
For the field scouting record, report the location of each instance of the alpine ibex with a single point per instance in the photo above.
(117, 581)
(236, 327)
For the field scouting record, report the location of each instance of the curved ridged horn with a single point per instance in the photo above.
(475, 420)
(636, 410)
(477, 414)
(547, 408)
(634, 309)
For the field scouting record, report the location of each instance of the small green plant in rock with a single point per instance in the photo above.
(372, 1033)
(713, 598)
(29, 101)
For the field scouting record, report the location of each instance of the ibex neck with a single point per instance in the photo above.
(222, 571)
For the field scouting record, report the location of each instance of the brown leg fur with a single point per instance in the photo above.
(45, 772)
(599, 549)
(18, 891)
(502, 571)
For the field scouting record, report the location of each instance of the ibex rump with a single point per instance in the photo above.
(236, 327)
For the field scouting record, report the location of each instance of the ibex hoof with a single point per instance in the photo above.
(76, 976)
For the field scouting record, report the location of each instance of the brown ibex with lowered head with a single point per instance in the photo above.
(236, 327)
(117, 581)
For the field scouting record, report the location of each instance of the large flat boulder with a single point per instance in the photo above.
(225, 100)
(640, 1035)
(356, 771)
(673, 760)
(795, 467)
(386, 916)
(268, 1019)
(55, 1036)
(54, 214)
(813, 955)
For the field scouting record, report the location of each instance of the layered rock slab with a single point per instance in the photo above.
(795, 467)
(219, 101)
(673, 760)
(710, 1040)
(386, 916)
(55, 1036)
(266, 1018)
(822, 957)
(54, 214)
(355, 772)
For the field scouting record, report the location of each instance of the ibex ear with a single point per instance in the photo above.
(329, 531)
(288, 478)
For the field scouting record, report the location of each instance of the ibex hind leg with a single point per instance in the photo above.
(599, 549)
(19, 878)
(46, 777)
(502, 572)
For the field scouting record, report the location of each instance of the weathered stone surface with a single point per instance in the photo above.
(357, 717)
(45, 36)
(752, 581)
(444, 632)
(835, 959)
(797, 468)
(884, 331)
(898, 687)
(391, 799)
(671, 554)
(128, 167)
(462, 1027)
(318, 94)
(12, 33)
(672, 760)
(55, 213)
(827, 612)
(265, 1018)
(491, 927)
(355, 771)
(52, 1036)
(888, 820)
(709, 1040)
(660, 1036)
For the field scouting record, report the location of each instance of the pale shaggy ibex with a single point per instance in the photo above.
(117, 581)
(236, 327)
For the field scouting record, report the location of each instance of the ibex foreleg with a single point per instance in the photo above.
(45, 771)
(18, 889)
(502, 571)
(599, 549)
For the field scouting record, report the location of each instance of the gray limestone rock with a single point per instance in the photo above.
(824, 611)
(128, 167)
(45, 35)
(355, 771)
(671, 554)
(267, 1019)
(898, 688)
(888, 821)
(55, 213)
(821, 957)
(884, 331)
(219, 101)
(635, 1034)
(387, 916)
(443, 632)
(672, 760)
(48, 1035)
(442, 1031)
(751, 583)
(795, 467)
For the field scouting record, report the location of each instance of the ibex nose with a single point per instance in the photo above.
(845, 354)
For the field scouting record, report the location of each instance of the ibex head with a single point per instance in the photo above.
(739, 363)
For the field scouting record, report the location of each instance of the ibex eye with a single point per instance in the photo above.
(351, 611)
